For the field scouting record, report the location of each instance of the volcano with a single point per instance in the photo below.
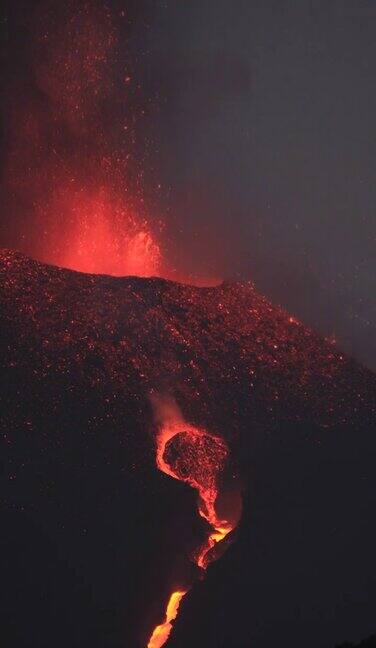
(96, 536)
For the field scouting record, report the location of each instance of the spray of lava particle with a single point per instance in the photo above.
(103, 235)
(74, 164)
(195, 456)
(74, 173)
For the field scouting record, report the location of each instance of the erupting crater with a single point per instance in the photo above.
(194, 456)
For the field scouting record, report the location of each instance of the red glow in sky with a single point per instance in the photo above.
(104, 237)
(77, 150)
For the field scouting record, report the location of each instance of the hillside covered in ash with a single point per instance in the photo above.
(95, 536)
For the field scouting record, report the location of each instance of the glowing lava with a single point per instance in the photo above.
(162, 632)
(100, 234)
(95, 230)
(197, 457)
(192, 455)
(73, 177)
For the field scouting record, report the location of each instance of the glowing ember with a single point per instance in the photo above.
(97, 232)
(162, 632)
(104, 237)
(93, 333)
(196, 457)
(74, 165)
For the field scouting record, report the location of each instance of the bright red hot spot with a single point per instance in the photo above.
(104, 237)
(195, 456)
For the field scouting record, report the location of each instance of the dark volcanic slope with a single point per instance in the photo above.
(133, 334)
(96, 536)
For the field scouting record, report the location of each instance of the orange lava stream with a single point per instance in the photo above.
(221, 529)
(207, 493)
(162, 632)
(206, 485)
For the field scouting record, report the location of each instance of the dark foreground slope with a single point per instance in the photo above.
(95, 537)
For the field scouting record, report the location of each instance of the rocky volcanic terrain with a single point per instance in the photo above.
(94, 536)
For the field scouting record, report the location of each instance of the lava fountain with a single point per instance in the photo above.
(192, 455)
(104, 235)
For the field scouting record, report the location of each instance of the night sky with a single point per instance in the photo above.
(260, 130)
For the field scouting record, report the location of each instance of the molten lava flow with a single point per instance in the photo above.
(196, 457)
(162, 632)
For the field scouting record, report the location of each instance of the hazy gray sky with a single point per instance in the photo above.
(266, 130)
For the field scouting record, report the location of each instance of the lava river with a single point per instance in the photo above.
(195, 456)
